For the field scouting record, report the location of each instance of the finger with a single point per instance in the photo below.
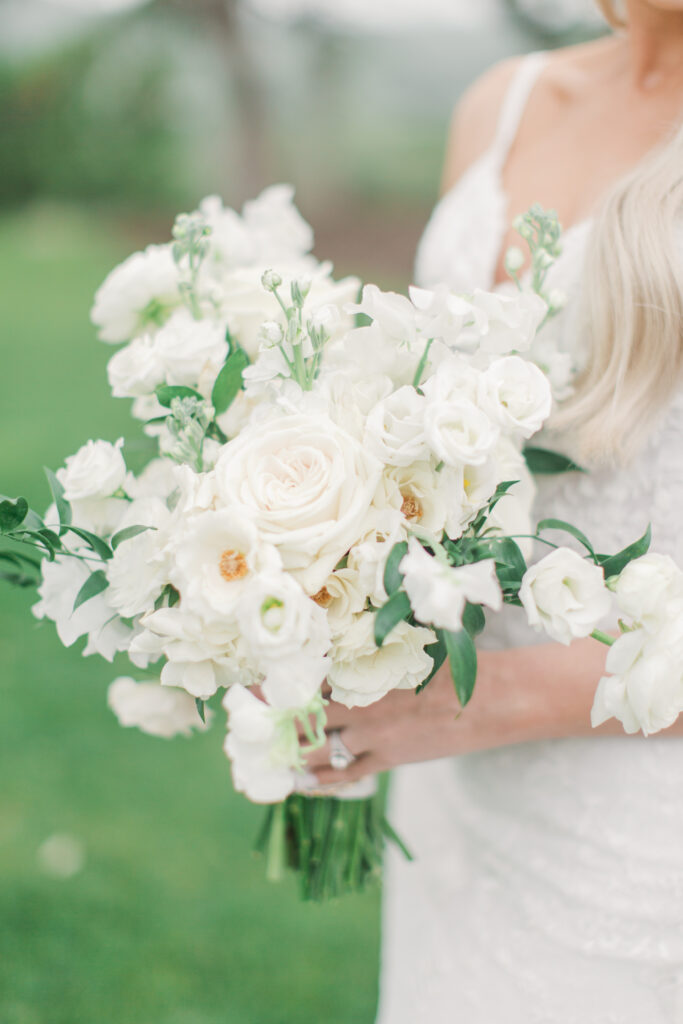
(339, 716)
(365, 764)
(320, 758)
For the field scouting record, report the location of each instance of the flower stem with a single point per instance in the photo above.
(604, 638)
(421, 365)
(275, 856)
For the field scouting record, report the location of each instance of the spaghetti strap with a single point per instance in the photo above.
(515, 102)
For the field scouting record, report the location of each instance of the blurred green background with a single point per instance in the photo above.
(128, 890)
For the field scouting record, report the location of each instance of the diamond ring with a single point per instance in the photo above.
(340, 755)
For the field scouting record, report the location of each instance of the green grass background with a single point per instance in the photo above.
(170, 921)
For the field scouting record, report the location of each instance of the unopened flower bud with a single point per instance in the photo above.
(514, 259)
(270, 334)
(557, 299)
(271, 280)
(300, 290)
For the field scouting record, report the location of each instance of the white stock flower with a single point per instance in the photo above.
(517, 395)
(504, 322)
(648, 588)
(96, 619)
(137, 294)
(362, 673)
(305, 484)
(136, 370)
(458, 432)
(97, 470)
(277, 228)
(564, 595)
(154, 709)
(645, 688)
(394, 429)
(190, 349)
(262, 746)
(438, 592)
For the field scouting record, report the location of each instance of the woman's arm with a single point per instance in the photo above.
(522, 694)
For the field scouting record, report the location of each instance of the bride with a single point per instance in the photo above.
(547, 884)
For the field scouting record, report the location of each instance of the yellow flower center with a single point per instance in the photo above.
(323, 598)
(233, 565)
(411, 507)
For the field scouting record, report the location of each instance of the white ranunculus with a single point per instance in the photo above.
(154, 709)
(305, 484)
(645, 688)
(394, 430)
(97, 470)
(381, 530)
(136, 295)
(262, 746)
(438, 592)
(565, 595)
(517, 395)
(503, 322)
(647, 588)
(362, 673)
(459, 433)
(190, 349)
(136, 369)
(96, 619)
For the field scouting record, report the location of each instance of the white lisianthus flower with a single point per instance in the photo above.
(362, 673)
(96, 619)
(517, 395)
(645, 688)
(647, 588)
(564, 595)
(262, 746)
(136, 295)
(216, 562)
(438, 592)
(459, 433)
(394, 430)
(154, 709)
(503, 322)
(305, 484)
(454, 379)
(97, 470)
(136, 370)
(189, 349)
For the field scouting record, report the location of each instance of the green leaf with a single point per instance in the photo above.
(392, 577)
(560, 524)
(168, 597)
(94, 585)
(12, 514)
(127, 534)
(543, 460)
(229, 380)
(50, 540)
(473, 619)
(437, 652)
(19, 559)
(63, 506)
(462, 657)
(500, 492)
(167, 392)
(99, 546)
(614, 564)
(390, 614)
(18, 579)
(200, 708)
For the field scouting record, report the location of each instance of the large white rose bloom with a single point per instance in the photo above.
(137, 294)
(154, 709)
(305, 484)
(458, 432)
(648, 588)
(565, 595)
(362, 673)
(97, 470)
(438, 592)
(517, 395)
(262, 747)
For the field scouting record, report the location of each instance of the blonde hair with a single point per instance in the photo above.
(632, 309)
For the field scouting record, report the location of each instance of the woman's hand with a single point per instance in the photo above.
(524, 694)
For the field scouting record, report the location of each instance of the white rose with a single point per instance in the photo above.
(517, 395)
(190, 349)
(645, 689)
(438, 592)
(137, 294)
(154, 709)
(564, 595)
(97, 470)
(262, 746)
(504, 322)
(305, 484)
(459, 433)
(362, 673)
(135, 370)
(394, 430)
(647, 588)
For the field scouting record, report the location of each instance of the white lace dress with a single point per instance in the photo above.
(548, 881)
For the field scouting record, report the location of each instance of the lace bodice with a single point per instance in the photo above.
(548, 880)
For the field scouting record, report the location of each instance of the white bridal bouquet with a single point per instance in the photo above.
(339, 489)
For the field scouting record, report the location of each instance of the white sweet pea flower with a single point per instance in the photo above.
(459, 433)
(648, 588)
(438, 592)
(140, 566)
(137, 295)
(503, 322)
(305, 484)
(645, 688)
(517, 395)
(97, 470)
(454, 379)
(564, 595)
(136, 370)
(362, 673)
(154, 709)
(442, 313)
(262, 746)
(394, 429)
(393, 313)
